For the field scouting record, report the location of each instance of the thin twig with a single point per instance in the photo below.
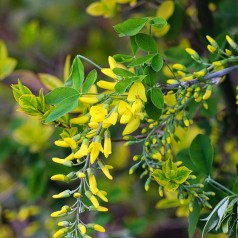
(217, 74)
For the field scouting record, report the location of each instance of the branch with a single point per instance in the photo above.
(214, 75)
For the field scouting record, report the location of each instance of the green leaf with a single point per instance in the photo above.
(222, 211)
(157, 98)
(168, 165)
(122, 85)
(28, 104)
(193, 218)
(41, 100)
(19, 90)
(65, 106)
(51, 82)
(146, 42)
(167, 203)
(134, 45)
(152, 111)
(76, 77)
(182, 174)
(157, 63)
(171, 186)
(123, 72)
(122, 58)
(160, 178)
(130, 27)
(213, 218)
(201, 153)
(7, 66)
(59, 94)
(141, 60)
(89, 81)
(158, 22)
(151, 76)
(225, 225)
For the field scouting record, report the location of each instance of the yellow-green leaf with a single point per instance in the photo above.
(28, 103)
(50, 82)
(160, 178)
(182, 175)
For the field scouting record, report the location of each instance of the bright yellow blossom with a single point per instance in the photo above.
(82, 228)
(137, 105)
(107, 150)
(132, 125)
(125, 111)
(80, 120)
(102, 195)
(92, 198)
(95, 148)
(71, 142)
(106, 85)
(98, 113)
(104, 8)
(110, 120)
(113, 64)
(83, 151)
(96, 227)
(105, 170)
(61, 232)
(136, 91)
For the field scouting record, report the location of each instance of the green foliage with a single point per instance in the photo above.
(201, 152)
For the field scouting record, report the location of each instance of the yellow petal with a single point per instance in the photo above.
(136, 91)
(132, 125)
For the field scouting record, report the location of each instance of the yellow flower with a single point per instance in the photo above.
(137, 105)
(60, 177)
(92, 198)
(61, 232)
(208, 93)
(82, 228)
(81, 175)
(63, 194)
(91, 99)
(96, 227)
(231, 42)
(125, 111)
(71, 142)
(98, 113)
(132, 125)
(106, 85)
(110, 120)
(61, 143)
(92, 181)
(83, 151)
(94, 149)
(63, 161)
(107, 144)
(102, 194)
(93, 125)
(104, 8)
(113, 64)
(105, 170)
(80, 120)
(136, 91)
